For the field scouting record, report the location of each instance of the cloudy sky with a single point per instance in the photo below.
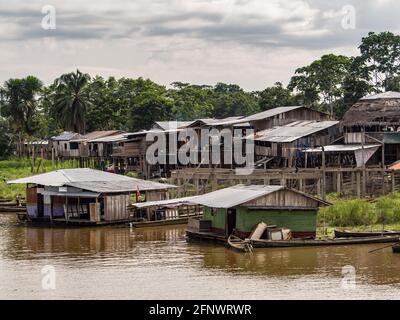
(253, 43)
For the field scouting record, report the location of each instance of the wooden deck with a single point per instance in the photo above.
(157, 223)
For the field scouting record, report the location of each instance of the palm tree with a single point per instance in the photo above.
(72, 100)
(19, 104)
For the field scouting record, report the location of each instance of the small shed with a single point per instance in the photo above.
(85, 196)
(61, 144)
(241, 208)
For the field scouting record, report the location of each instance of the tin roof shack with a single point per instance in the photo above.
(375, 119)
(281, 116)
(94, 144)
(85, 196)
(165, 212)
(282, 145)
(61, 144)
(130, 154)
(241, 208)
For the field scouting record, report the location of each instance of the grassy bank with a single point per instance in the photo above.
(360, 214)
(19, 168)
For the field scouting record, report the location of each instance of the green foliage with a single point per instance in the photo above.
(348, 213)
(277, 96)
(5, 139)
(77, 102)
(71, 100)
(380, 54)
(20, 168)
(322, 81)
(358, 212)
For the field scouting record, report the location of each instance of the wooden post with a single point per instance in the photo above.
(383, 168)
(364, 178)
(393, 181)
(358, 184)
(52, 158)
(338, 183)
(323, 186)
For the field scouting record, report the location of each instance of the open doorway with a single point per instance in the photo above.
(230, 221)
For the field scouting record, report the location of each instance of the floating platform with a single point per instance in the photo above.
(159, 223)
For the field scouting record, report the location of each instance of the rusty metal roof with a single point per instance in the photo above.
(293, 131)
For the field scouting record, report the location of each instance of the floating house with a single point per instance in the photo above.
(85, 196)
(239, 209)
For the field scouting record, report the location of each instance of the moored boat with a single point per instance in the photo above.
(396, 248)
(364, 234)
(328, 242)
(239, 244)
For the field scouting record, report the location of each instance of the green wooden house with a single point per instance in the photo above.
(241, 208)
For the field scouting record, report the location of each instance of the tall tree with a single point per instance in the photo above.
(322, 81)
(5, 139)
(380, 54)
(72, 100)
(277, 96)
(19, 99)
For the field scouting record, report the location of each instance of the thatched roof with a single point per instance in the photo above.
(380, 109)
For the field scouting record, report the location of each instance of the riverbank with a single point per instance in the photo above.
(19, 168)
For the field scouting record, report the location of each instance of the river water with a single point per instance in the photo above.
(158, 263)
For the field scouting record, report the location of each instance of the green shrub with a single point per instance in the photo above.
(348, 213)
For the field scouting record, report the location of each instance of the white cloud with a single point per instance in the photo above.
(250, 42)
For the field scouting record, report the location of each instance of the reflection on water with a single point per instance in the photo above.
(158, 263)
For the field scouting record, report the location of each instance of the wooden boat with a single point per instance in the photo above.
(12, 209)
(349, 234)
(239, 244)
(329, 242)
(396, 248)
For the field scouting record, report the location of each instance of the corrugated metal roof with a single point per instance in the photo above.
(169, 202)
(384, 95)
(71, 194)
(293, 131)
(66, 136)
(342, 148)
(270, 113)
(92, 180)
(97, 135)
(234, 196)
(217, 122)
(167, 125)
(116, 138)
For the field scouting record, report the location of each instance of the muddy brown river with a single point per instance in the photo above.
(158, 263)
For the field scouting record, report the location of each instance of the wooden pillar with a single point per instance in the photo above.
(323, 182)
(338, 183)
(393, 181)
(358, 184)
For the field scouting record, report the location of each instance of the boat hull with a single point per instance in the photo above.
(347, 234)
(315, 243)
(396, 248)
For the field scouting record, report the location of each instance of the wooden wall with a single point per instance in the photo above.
(284, 198)
(115, 207)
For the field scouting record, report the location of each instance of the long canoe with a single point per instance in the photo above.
(328, 242)
(349, 234)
